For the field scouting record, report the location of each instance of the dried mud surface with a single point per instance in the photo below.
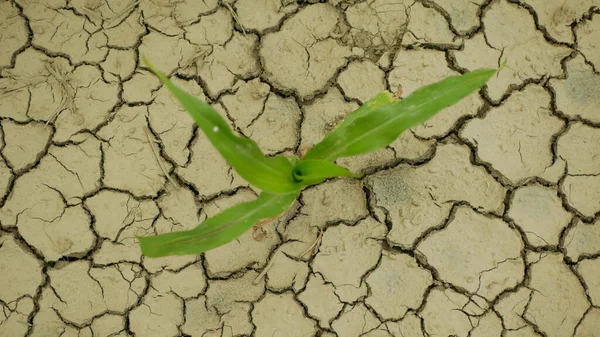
(483, 222)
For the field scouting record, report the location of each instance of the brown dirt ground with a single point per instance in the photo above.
(482, 222)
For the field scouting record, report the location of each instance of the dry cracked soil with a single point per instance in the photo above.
(482, 222)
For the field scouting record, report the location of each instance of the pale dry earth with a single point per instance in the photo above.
(482, 222)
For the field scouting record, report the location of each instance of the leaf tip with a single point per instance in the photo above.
(153, 69)
(502, 65)
(147, 62)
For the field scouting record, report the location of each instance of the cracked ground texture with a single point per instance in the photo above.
(482, 222)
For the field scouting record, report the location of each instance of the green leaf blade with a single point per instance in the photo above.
(312, 171)
(377, 126)
(218, 230)
(271, 174)
(382, 99)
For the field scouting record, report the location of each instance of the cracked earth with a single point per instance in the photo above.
(482, 222)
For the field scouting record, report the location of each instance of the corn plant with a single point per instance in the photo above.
(376, 124)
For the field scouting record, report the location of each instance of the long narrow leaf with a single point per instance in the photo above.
(378, 126)
(272, 174)
(218, 230)
(380, 100)
(311, 172)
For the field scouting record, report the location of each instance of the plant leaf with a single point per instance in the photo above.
(378, 125)
(218, 230)
(381, 99)
(271, 174)
(312, 171)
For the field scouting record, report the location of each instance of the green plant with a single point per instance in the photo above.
(376, 124)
